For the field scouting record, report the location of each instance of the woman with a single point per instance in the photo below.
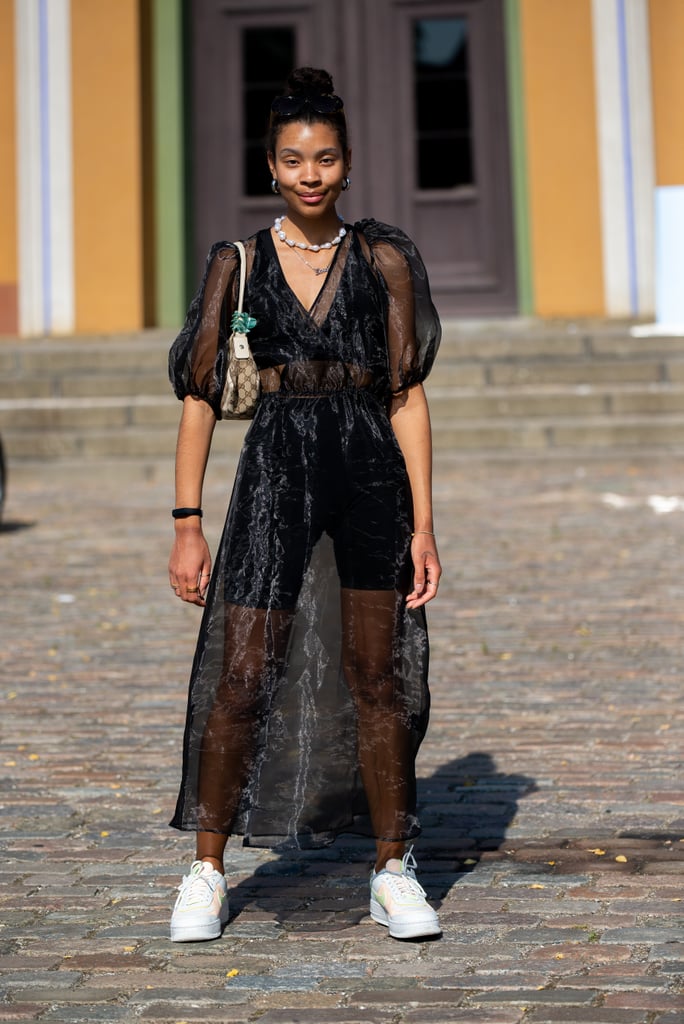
(308, 697)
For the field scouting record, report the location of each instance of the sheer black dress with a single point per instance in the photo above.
(308, 695)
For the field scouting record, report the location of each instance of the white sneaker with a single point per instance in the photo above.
(398, 900)
(201, 909)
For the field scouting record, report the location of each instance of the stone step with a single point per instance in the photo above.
(121, 412)
(527, 339)
(561, 432)
(134, 442)
(38, 415)
(520, 353)
(492, 354)
(553, 400)
(496, 384)
(547, 374)
(465, 340)
(82, 385)
(450, 434)
(478, 376)
(85, 368)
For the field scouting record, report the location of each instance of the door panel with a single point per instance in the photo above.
(424, 84)
(231, 197)
(459, 211)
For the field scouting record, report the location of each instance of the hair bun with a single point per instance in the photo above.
(310, 80)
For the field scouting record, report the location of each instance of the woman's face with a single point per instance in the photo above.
(310, 167)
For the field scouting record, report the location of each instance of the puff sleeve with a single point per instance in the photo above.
(198, 356)
(413, 327)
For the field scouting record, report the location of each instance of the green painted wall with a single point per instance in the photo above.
(516, 106)
(168, 100)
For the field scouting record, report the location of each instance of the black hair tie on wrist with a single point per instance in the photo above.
(185, 513)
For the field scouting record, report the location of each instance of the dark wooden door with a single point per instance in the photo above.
(424, 83)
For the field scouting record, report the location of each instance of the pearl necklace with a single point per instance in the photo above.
(278, 225)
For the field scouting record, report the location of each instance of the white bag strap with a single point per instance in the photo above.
(240, 343)
(241, 292)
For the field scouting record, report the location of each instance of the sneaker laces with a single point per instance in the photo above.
(195, 889)
(404, 886)
(406, 883)
(409, 865)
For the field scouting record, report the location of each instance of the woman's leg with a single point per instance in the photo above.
(210, 847)
(255, 645)
(389, 729)
(386, 742)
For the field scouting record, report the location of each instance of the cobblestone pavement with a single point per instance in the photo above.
(550, 781)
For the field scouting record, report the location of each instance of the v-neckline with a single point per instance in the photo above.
(330, 275)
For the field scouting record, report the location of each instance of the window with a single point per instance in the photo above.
(442, 102)
(268, 56)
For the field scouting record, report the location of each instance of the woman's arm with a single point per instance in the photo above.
(190, 561)
(410, 419)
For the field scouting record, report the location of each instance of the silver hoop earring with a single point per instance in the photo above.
(275, 187)
(346, 184)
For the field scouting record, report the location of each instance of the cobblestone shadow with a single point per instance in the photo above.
(15, 526)
(465, 807)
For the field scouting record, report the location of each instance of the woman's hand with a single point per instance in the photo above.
(190, 561)
(190, 565)
(410, 421)
(426, 570)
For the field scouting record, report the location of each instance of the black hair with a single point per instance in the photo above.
(308, 85)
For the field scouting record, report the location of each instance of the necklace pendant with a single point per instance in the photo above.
(319, 270)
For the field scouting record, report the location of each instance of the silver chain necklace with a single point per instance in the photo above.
(317, 270)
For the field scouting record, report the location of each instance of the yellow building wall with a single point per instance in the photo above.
(107, 166)
(562, 157)
(666, 23)
(8, 174)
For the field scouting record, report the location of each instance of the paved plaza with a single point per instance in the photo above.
(550, 780)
